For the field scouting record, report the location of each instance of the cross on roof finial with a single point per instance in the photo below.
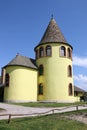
(52, 16)
(17, 54)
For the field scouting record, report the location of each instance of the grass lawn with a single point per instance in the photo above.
(1, 109)
(42, 104)
(49, 122)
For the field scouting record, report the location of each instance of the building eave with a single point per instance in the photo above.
(53, 43)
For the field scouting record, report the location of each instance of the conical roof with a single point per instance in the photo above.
(22, 61)
(52, 33)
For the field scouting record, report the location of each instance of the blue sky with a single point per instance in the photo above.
(23, 22)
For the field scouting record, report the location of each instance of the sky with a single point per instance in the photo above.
(23, 22)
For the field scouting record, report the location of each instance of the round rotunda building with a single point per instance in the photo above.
(54, 62)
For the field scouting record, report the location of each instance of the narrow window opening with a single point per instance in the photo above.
(70, 90)
(41, 70)
(37, 56)
(41, 52)
(7, 80)
(40, 90)
(69, 71)
(48, 51)
(62, 51)
(68, 53)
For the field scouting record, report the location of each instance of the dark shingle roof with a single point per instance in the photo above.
(77, 89)
(52, 33)
(22, 61)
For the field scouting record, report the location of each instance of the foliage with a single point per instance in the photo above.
(84, 97)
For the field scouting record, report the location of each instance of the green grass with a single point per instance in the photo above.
(49, 122)
(79, 112)
(1, 109)
(41, 104)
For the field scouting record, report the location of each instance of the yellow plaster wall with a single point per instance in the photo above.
(56, 80)
(77, 98)
(23, 84)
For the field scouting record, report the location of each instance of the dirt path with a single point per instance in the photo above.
(82, 118)
(32, 111)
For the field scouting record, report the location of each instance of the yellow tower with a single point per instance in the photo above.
(54, 61)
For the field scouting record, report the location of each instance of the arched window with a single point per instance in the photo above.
(41, 52)
(69, 71)
(70, 90)
(48, 51)
(41, 70)
(7, 78)
(68, 53)
(62, 51)
(40, 89)
(37, 56)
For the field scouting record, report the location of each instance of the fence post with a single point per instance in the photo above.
(76, 108)
(52, 111)
(9, 119)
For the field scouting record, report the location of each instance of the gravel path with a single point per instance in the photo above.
(15, 109)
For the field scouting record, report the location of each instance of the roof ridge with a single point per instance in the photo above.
(22, 61)
(24, 56)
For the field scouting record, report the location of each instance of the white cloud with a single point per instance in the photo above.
(80, 61)
(81, 78)
(81, 81)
